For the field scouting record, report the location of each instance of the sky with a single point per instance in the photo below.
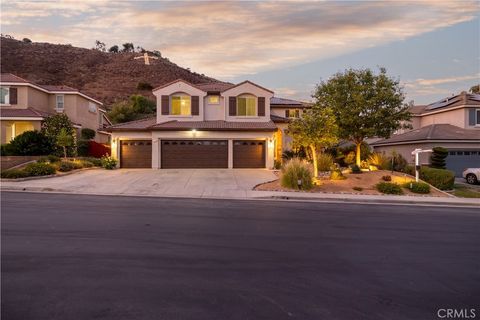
(431, 47)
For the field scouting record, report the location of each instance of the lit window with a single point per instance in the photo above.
(246, 106)
(59, 102)
(92, 107)
(4, 95)
(213, 99)
(17, 128)
(181, 106)
(292, 113)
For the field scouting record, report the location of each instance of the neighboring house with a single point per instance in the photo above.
(24, 105)
(212, 125)
(452, 123)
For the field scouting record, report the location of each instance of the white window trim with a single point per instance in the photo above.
(179, 115)
(477, 119)
(256, 106)
(7, 97)
(56, 102)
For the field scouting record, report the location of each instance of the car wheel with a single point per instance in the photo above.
(471, 178)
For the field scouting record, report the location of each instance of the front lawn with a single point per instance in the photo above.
(465, 191)
(364, 183)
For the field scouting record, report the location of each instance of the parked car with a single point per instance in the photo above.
(472, 175)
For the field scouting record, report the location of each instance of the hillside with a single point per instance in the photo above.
(105, 76)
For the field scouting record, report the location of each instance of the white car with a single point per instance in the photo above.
(472, 175)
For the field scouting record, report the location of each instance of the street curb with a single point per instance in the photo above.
(345, 200)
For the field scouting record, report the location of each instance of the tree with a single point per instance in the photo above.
(64, 140)
(52, 126)
(87, 133)
(365, 104)
(100, 46)
(128, 47)
(113, 49)
(316, 130)
(136, 107)
(475, 89)
(30, 143)
(26, 40)
(438, 157)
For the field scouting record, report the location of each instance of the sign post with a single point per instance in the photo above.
(416, 152)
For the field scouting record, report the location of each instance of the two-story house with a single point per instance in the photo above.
(24, 105)
(211, 125)
(452, 123)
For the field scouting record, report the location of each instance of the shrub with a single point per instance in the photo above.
(50, 159)
(82, 148)
(6, 150)
(290, 154)
(409, 170)
(39, 169)
(349, 158)
(439, 178)
(324, 162)
(277, 165)
(87, 134)
(357, 188)
(14, 174)
(378, 160)
(337, 175)
(355, 169)
(109, 163)
(417, 187)
(51, 128)
(438, 157)
(30, 143)
(389, 188)
(387, 178)
(397, 162)
(296, 170)
(66, 166)
(94, 161)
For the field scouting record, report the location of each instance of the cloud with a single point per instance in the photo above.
(429, 82)
(440, 86)
(227, 39)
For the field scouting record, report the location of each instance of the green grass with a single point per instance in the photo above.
(463, 191)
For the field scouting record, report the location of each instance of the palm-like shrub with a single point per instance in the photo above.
(297, 174)
(324, 162)
(378, 160)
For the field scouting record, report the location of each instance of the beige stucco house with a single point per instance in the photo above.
(452, 123)
(211, 125)
(24, 105)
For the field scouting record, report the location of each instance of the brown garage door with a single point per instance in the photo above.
(136, 154)
(249, 154)
(194, 154)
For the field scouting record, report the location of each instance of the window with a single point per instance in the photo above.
(246, 106)
(292, 113)
(17, 128)
(213, 99)
(181, 106)
(4, 95)
(478, 117)
(59, 102)
(92, 107)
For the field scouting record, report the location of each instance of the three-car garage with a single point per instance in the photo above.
(194, 153)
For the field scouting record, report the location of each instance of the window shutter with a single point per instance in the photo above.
(471, 116)
(261, 106)
(195, 106)
(13, 96)
(287, 113)
(165, 105)
(232, 106)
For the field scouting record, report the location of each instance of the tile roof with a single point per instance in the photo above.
(57, 88)
(278, 119)
(432, 132)
(218, 125)
(22, 113)
(214, 86)
(8, 77)
(283, 101)
(141, 124)
(458, 100)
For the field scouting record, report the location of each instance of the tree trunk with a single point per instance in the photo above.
(358, 153)
(314, 158)
(65, 153)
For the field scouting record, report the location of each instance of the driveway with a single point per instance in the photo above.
(222, 183)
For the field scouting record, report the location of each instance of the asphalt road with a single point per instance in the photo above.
(93, 257)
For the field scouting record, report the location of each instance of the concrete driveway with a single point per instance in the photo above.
(211, 183)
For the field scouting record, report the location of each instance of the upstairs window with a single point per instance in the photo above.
(292, 113)
(213, 99)
(92, 107)
(4, 95)
(181, 106)
(59, 102)
(246, 106)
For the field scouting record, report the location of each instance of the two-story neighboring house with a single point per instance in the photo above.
(24, 105)
(452, 123)
(211, 125)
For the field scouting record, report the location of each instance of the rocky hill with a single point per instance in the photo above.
(108, 77)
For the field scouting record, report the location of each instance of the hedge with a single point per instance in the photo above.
(439, 178)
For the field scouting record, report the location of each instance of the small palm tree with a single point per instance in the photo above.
(64, 140)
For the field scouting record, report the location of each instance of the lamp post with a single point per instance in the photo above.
(416, 152)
